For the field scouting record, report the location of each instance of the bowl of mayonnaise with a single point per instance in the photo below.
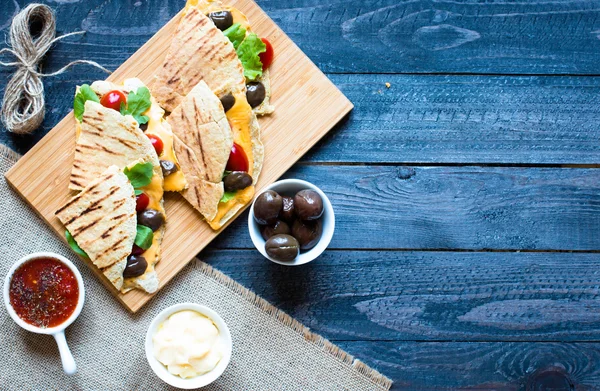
(188, 345)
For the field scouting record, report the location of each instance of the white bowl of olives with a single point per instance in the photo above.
(291, 222)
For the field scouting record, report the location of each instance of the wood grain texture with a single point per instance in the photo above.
(473, 208)
(385, 36)
(436, 119)
(483, 366)
(303, 97)
(430, 296)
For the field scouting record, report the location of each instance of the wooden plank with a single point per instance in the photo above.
(483, 366)
(430, 296)
(304, 98)
(438, 119)
(466, 119)
(385, 36)
(473, 208)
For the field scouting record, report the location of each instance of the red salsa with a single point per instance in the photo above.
(44, 292)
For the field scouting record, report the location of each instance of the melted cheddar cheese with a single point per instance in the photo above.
(161, 128)
(240, 117)
(154, 191)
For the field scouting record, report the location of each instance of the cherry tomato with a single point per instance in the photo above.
(141, 202)
(238, 161)
(113, 100)
(137, 250)
(156, 143)
(266, 57)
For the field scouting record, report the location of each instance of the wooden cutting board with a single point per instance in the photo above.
(307, 105)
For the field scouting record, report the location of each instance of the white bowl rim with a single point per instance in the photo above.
(30, 327)
(308, 256)
(199, 381)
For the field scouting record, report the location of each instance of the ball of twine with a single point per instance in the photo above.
(23, 106)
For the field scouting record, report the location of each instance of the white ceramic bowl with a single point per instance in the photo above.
(58, 332)
(289, 187)
(199, 381)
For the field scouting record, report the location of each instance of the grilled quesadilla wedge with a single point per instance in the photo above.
(203, 140)
(105, 222)
(222, 14)
(102, 220)
(135, 99)
(206, 139)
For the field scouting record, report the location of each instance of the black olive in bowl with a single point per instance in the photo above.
(308, 205)
(279, 228)
(267, 207)
(282, 247)
(307, 233)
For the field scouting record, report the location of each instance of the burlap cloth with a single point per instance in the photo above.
(271, 351)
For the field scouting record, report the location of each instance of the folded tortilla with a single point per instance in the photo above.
(203, 141)
(107, 138)
(198, 51)
(102, 220)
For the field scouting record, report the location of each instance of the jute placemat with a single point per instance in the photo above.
(271, 350)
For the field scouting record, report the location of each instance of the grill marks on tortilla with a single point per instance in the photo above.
(102, 218)
(107, 138)
(198, 51)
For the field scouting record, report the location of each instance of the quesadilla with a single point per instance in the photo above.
(200, 52)
(203, 140)
(102, 225)
(236, 26)
(108, 138)
(214, 43)
(103, 142)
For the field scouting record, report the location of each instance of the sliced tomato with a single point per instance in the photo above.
(113, 100)
(266, 57)
(157, 143)
(238, 161)
(141, 202)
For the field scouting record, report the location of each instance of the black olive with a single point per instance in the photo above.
(279, 228)
(136, 266)
(168, 167)
(143, 127)
(227, 101)
(237, 180)
(222, 19)
(308, 205)
(307, 233)
(255, 93)
(287, 213)
(267, 207)
(282, 247)
(151, 218)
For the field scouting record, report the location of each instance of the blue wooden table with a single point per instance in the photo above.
(467, 193)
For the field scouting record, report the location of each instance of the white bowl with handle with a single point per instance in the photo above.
(58, 332)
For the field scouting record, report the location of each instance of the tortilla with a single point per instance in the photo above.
(102, 220)
(107, 138)
(198, 51)
(208, 6)
(203, 143)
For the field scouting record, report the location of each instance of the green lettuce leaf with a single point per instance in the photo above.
(137, 104)
(143, 236)
(248, 52)
(74, 245)
(236, 34)
(228, 195)
(139, 175)
(84, 94)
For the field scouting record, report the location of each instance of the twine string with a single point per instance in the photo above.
(23, 105)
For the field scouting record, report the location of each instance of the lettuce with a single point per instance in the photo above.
(248, 52)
